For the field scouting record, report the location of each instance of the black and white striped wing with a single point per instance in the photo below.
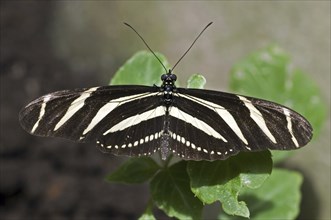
(197, 124)
(115, 117)
(209, 125)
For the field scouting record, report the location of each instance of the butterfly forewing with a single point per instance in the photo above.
(85, 114)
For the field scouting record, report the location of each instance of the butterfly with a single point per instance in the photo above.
(194, 124)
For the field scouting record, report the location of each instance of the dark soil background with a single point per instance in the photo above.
(60, 180)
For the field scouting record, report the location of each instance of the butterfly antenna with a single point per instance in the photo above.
(146, 45)
(191, 45)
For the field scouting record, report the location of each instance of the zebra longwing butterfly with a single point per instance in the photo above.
(194, 124)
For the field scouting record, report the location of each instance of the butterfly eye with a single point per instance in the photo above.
(163, 77)
(173, 77)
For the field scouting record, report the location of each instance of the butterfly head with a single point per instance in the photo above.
(169, 78)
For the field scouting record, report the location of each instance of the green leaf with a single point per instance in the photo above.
(141, 69)
(148, 214)
(134, 170)
(196, 81)
(223, 180)
(278, 198)
(270, 74)
(171, 192)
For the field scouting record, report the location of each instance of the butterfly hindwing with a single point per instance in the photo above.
(136, 140)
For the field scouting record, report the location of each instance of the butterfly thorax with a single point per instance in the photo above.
(168, 87)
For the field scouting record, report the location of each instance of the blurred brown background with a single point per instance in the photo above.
(49, 46)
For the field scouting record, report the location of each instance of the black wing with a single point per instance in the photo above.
(209, 125)
(115, 117)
